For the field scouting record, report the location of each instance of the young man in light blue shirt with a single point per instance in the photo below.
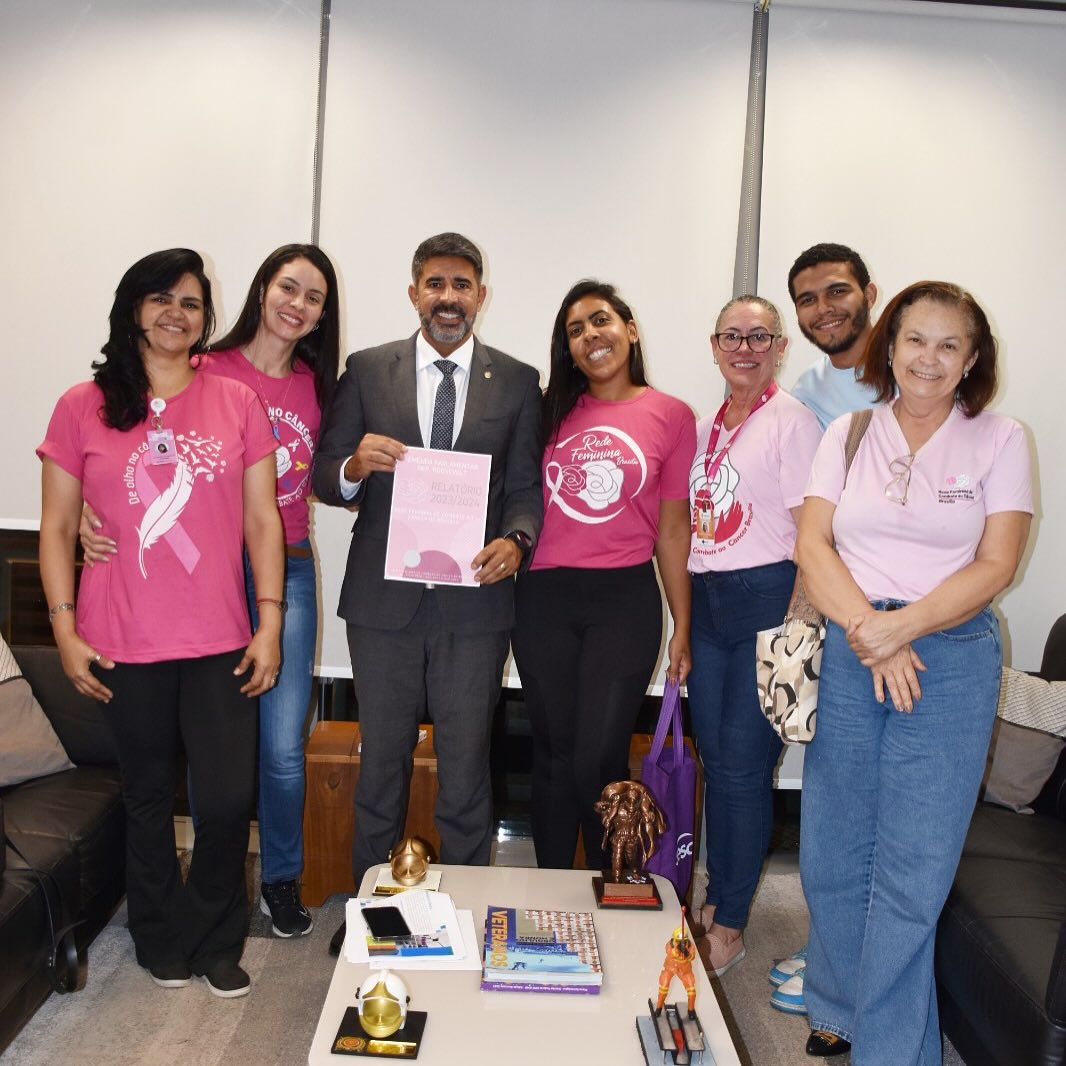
(832, 292)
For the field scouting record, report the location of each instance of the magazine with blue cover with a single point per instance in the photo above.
(527, 947)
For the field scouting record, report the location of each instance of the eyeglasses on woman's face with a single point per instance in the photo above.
(759, 340)
(896, 490)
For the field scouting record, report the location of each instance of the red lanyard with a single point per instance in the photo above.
(711, 468)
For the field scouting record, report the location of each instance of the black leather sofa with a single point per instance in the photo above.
(1001, 941)
(71, 827)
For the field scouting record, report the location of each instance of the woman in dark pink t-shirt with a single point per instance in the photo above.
(180, 469)
(284, 346)
(588, 610)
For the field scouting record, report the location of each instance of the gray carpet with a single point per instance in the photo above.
(120, 1018)
(777, 927)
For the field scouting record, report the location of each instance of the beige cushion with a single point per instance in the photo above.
(29, 746)
(1020, 761)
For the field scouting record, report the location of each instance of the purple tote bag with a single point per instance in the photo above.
(669, 773)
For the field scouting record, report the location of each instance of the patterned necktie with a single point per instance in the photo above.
(440, 436)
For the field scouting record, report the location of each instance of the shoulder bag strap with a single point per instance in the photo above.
(800, 607)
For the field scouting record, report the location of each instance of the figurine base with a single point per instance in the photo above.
(672, 1036)
(353, 1039)
(626, 895)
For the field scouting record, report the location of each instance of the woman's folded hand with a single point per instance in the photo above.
(898, 674)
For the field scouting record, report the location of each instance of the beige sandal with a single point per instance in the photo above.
(702, 919)
(722, 956)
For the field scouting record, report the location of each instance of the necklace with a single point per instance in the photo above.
(260, 388)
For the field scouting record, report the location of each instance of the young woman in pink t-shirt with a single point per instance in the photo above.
(285, 347)
(588, 609)
(904, 559)
(180, 469)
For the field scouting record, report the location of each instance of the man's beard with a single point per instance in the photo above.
(447, 334)
(858, 324)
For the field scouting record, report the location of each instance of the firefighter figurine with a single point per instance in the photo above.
(680, 954)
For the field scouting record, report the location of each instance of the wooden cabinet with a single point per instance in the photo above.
(332, 764)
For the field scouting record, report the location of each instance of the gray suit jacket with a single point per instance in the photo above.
(376, 394)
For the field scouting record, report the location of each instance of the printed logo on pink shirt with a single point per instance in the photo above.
(292, 456)
(719, 497)
(602, 469)
(197, 457)
(958, 487)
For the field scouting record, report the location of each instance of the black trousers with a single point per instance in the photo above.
(585, 643)
(199, 701)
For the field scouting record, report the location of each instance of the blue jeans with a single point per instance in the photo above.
(738, 746)
(887, 799)
(282, 717)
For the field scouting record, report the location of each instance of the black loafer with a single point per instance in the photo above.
(823, 1044)
(337, 940)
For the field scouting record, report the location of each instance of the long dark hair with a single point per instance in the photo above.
(977, 387)
(121, 375)
(566, 383)
(320, 349)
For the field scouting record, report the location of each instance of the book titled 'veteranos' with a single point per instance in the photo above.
(541, 951)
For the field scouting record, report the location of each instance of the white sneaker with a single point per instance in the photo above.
(787, 968)
(788, 996)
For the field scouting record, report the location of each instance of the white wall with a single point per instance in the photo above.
(933, 144)
(568, 137)
(130, 126)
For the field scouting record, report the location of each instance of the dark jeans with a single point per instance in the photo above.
(155, 706)
(738, 746)
(282, 716)
(585, 643)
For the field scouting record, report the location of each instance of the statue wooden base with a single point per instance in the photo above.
(630, 890)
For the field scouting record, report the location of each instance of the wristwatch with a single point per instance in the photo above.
(521, 538)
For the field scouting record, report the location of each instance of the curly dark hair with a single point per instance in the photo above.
(977, 388)
(828, 253)
(121, 376)
(320, 349)
(566, 383)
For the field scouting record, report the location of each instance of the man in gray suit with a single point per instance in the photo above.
(417, 647)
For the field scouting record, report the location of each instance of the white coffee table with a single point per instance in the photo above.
(466, 1025)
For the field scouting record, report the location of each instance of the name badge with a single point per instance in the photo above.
(161, 448)
(705, 524)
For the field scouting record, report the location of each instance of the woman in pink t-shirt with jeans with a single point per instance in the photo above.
(284, 346)
(179, 466)
(904, 559)
(746, 485)
(588, 610)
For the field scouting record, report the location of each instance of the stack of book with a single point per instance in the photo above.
(541, 951)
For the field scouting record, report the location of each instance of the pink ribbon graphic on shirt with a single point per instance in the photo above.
(162, 515)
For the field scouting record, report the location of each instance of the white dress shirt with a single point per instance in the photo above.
(427, 381)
